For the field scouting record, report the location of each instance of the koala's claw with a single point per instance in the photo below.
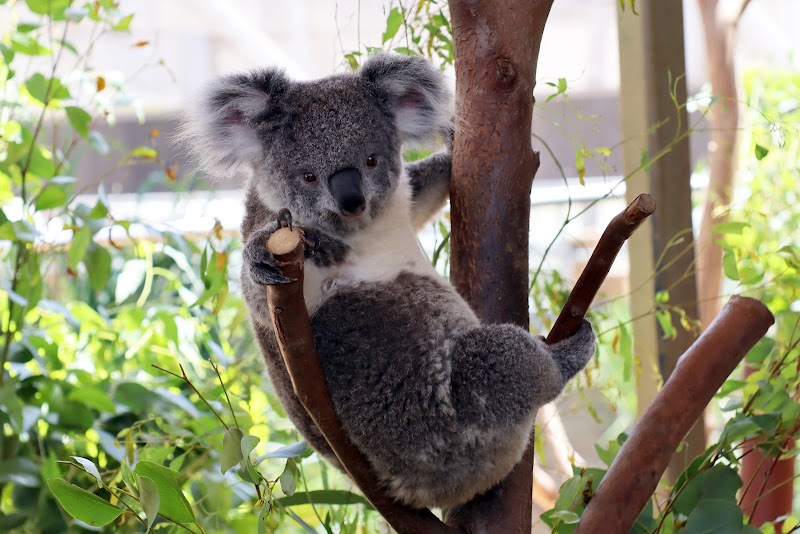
(285, 219)
(263, 268)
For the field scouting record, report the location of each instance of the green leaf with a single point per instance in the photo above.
(761, 152)
(123, 24)
(90, 468)
(80, 243)
(48, 7)
(761, 350)
(719, 482)
(98, 264)
(46, 89)
(561, 88)
(148, 498)
(729, 265)
(52, 196)
(248, 444)
(714, 517)
(173, 503)
(144, 152)
(731, 227)
(93, 398)
(82, 505)
(329, 497)
(393, 22)
(26, 27)
(231, 449)
(79, 119)
(288, 478)
(566, 516)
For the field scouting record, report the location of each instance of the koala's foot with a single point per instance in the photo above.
(261, 264)
(572, 354)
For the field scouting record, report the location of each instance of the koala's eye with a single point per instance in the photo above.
(372, 161)
(310, 177)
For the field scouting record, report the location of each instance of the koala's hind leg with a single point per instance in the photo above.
(501, 375)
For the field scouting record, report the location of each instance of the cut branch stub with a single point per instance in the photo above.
(296, 342)
(639, 465)
(594, 274)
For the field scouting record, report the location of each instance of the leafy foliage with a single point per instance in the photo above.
(132, 397)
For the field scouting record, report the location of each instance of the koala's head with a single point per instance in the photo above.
(328, 150)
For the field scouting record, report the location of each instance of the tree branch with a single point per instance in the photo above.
(594, 274)
(634, 475)
(296, 342)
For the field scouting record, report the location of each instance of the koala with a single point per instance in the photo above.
(441, 405)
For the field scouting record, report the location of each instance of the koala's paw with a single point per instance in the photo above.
(572, 354)
(322, 249)
(261, 264)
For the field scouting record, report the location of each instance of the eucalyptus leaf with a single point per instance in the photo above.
(82, 505)
(172, 501)
(231, 449)
(149, 498)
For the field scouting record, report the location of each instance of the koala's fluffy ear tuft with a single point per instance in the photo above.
(235, 117)
(414, 91)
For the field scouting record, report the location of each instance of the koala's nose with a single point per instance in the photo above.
(345, 186)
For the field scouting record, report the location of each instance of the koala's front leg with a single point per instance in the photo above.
(430, 186)
(259, 267)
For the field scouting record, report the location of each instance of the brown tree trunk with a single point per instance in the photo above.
(719, 23)
(497, 47)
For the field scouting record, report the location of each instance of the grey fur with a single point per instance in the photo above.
(440, 405)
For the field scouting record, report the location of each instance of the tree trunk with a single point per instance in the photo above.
(497, 47)
(720, 31)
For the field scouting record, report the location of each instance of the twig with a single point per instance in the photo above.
(618, 231)
(644, 457)
(296, 342)
(188, 382)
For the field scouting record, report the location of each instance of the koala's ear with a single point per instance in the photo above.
(235, 117)
(413, 90)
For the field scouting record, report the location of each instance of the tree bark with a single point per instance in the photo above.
(497, 48)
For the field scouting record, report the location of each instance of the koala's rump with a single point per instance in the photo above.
(385, 349)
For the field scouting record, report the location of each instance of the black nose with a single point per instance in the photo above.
(345, 186)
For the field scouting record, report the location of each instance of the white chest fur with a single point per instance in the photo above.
(377, 253)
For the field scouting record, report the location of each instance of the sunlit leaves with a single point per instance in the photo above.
(761, 152)
(48, 7)
(83, 505)
(46, 89)
(173, 503)
(393, 23)
(561, 88)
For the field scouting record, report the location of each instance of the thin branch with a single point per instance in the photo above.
(618, 231)
(188, 382)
